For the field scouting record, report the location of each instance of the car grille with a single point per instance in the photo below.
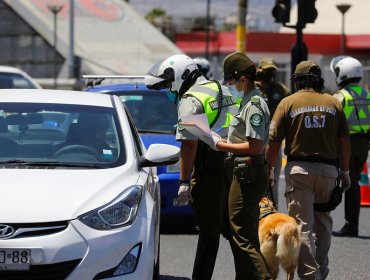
(56, 271)
(36, 229)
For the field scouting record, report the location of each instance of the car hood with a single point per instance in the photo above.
(151, 138)
(44, 195)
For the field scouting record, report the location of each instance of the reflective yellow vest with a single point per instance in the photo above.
(207, 93)
(356, 108)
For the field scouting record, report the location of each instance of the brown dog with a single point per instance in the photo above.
(279, 236)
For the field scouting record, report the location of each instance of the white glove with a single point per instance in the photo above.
(344, 179)
(272, 177)
(216, 139)
(183, 194)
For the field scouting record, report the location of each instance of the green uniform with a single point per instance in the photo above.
(273, 93)
(252, 121)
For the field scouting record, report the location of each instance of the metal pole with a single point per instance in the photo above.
(55, 10)
(55, 50)
(71, 62)
(343, 8)
(207, 29)
(240, 28)
(342, 37)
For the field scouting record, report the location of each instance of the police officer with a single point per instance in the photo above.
(315, 130)
(356, 105)
(209, 193)
(246, 142)
(273, 92)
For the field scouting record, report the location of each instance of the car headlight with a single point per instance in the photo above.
(173, 168)
(121, 211)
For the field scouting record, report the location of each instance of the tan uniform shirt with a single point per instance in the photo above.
(252, 120)
(310, 122)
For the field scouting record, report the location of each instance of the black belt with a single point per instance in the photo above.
(334, 162)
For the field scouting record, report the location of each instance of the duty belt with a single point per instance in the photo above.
(257, 159)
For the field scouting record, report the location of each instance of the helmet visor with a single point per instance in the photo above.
(157, 79)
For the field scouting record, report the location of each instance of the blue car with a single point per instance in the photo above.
(155, 117)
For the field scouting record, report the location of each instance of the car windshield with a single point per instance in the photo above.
(13, 80)
(151, 111)
(33, 134)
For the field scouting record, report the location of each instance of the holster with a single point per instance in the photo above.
(244, 171)
(334, 201)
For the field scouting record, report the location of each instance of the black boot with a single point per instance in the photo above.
(348, 230)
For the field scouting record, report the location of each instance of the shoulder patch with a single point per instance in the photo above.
(256, 119)
(255, 100)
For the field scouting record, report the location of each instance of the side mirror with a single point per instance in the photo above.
(160, 154)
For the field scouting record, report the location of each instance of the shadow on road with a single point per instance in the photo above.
(166, 277)
(178, 225)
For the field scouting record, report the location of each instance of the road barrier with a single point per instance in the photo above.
(365, 187)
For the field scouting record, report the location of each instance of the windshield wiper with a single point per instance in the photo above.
(154, 131)
(50, 163)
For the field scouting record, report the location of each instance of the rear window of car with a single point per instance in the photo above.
(152, 112)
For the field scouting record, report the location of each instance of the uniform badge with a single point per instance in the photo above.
(256, 120)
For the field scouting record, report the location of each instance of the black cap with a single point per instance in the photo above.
(236, 65)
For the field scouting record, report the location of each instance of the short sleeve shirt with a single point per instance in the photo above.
(187, 106)
(311, 124)
(252, 120)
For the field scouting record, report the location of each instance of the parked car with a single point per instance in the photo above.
(155, 117)
(12, 77)
(80, 193)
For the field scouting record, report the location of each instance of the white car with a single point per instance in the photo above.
(79, 192)
(12, 77)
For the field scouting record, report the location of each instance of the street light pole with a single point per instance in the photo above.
(343, 8)
(71, 56)
(55, 9)
(207, 29)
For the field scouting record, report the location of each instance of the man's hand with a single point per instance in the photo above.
(183, 194)
(345, 180)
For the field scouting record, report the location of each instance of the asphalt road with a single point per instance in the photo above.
(349, 257)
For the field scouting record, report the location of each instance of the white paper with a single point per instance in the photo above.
(198, 126)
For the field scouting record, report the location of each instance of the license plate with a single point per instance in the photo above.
(15, 259)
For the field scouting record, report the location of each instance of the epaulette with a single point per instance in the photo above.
(255, 100)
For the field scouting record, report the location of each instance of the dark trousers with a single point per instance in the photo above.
(359, 153)
(210, 195)
(244, 219)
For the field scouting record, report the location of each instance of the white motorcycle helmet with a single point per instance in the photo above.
(345, 68)
(175, 70)
(204, 66)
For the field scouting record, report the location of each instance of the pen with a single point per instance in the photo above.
(219, 129)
